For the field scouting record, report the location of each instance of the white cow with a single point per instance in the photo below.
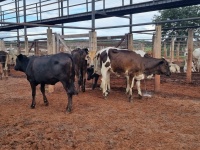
(185, 67)
(174, 68)
(196, 57)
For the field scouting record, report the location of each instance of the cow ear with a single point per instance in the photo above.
(86, 50)
(20, 56)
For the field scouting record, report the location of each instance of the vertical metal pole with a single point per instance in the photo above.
(104, 5)
(40, 11)
(93, 15)
(62, 15)
(18, 11)
(87, 5)
(189, 60)
(17, 20)
(165, 50)
(130, 21)
(1, 14)
(172, 50)
(25, 29)
(37, 11)
(178, 51)
(122, 2)
(59, 8)
(67, 7)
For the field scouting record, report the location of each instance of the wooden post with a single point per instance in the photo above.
(50, 52)
(178, 51)
(172, 50)
(153, 39)
(92, 40)
(36, 49)
(26, 45)
(130, 41)
(54, 50)
(165, 51)
(157, 54)
(189, 60)
(2, 45)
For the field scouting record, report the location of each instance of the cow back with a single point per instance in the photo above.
(50, 69)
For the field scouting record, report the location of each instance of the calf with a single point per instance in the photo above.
(80, 61)
(4, 64)
(174, 68)
(48, 70)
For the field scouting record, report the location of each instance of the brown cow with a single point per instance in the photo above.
(129, 64)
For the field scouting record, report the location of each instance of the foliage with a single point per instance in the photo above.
(179, 13)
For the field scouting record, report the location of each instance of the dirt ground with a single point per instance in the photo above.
(168, 120)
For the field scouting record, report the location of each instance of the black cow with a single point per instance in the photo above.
(4, 64)
(92, 75)
(80, 63)
(48, 70)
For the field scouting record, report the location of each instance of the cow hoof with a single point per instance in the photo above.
(68, 110)
(140, 96)
(130, 99)
(32, 106)
(46, 103)
(83, 90)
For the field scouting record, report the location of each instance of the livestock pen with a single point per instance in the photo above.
(169, 119)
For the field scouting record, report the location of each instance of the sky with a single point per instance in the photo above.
(111, 21)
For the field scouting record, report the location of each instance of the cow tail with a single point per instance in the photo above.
(72, 78)
(6, 62)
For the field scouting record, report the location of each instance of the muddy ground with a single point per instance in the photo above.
(169, 119)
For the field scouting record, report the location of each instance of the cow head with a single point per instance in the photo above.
(164, 67)
(21, 63)
(90, 58)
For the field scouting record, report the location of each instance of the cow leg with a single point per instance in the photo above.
(33, 87)
(95, 82)
(139, 89)
(77, 82)
(127, 85)
(70, 89)
(69, 105)
(131, 82)
(83, 81)
(42, 89)
(104, 82)
(108, 82)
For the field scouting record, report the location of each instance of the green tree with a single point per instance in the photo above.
(179, 13)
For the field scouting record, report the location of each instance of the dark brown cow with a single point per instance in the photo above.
(129, 64)
(80, 62)
(48, 70)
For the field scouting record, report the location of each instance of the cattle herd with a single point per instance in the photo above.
(71, 69)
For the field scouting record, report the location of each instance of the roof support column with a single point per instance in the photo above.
(189, 60)
(177, 51)
(165, 50)
(157, 54)
(25, 29)
(50, 51)
(172, 50)
(93, 15)
(93, 40)
(129, 41)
